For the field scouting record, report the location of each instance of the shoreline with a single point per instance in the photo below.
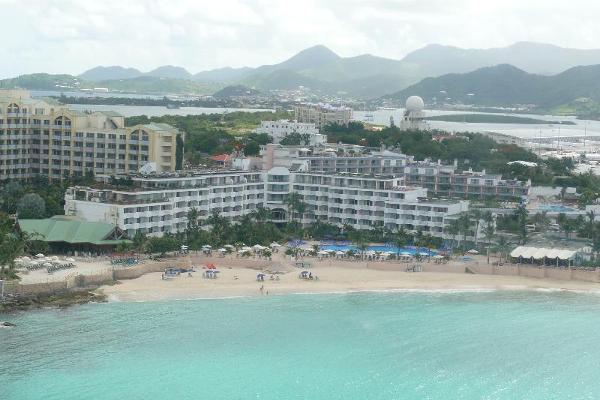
(236, 282)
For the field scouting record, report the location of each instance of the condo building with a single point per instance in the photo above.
(441, 180)
(43, 137)
(322, 115)
(160, 204)
(307, 133)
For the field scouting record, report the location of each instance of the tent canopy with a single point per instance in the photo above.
(539, 253)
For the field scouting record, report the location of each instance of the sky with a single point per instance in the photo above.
(71, 36)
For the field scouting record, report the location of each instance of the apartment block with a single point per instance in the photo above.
(322, 115)
(43, 137)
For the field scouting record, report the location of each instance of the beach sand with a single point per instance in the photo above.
(239, 281)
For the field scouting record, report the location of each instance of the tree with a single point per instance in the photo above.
(11, 246)
(295, 205)
(521, 215)
(192, 217)
(502, 246)
(11, 193)
(178, 152)
(31, 206)
(401, 239)
(489, 231)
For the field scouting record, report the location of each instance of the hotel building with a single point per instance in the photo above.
(322, 115)
(439, 179)
(280, 129)
(42, 137)
(160, 204)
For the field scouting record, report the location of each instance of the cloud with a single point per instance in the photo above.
(69, 36)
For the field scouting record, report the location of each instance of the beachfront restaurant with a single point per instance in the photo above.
(552, 257)
(72, 235)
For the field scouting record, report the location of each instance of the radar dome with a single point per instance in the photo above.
(414, 103)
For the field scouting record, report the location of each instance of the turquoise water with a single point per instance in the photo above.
(511, 345)
(382, 248)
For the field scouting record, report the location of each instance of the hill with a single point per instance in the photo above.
(169, 71)
(235, 91)
(142, 84)
(114, 72)
(226, 74)
(508, 85)
(538, 58)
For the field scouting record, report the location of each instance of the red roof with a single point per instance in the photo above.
(221, 158)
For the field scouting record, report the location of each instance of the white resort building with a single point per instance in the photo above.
(306, 134)
(160, 204)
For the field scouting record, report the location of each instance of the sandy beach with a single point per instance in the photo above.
(351, 277)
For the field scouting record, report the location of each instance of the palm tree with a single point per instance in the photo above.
(11, 246)
(192, 217)
(295, 204)
(489, 231)
(400, 240)
(502, 246)
(476, 215)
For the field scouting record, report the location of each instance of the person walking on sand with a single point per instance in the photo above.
(262, 288)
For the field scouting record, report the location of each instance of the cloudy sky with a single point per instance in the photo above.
(70, 36)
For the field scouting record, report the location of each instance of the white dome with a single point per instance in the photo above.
(414, 103)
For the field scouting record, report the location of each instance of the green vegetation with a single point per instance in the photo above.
(211, 134)
(493, 119)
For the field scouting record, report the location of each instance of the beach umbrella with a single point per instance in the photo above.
(25, 258)
(229, 246)
(473, 251)
(206, 247)
(323, 253)
(340, 253)
(423, 253)
(275, 244)
(222, 250)
(40, 255)
(438, 256)
(405, 254)
(258, 247)
(47, 264)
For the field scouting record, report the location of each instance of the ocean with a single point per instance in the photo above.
(400, 345)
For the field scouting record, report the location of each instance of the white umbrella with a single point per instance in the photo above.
(340, 253)
(33, 262)
(70, 259)
(222, 250)
(473, 251)
(275, 244)
(206, 247)
(323, 253)
(229, 246)
(258, 247)
(405, 254)
(40, 255)
(25, 258)
(47, 264)
(438, 256)
(424, 254)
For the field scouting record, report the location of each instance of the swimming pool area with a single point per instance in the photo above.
(557, 208)
(386, 248)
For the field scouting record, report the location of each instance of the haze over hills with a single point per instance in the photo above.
(507, 85)
(322, 70)
(539, 58)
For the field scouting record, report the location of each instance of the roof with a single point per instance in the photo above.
(64, 229)
(539, 253)
(160, 127)
(221, 157)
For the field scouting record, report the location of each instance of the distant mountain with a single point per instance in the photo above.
(226, 74)
(142, 84)
(507, 85)
(539, 58)
(115, 72)
(364, 76)
(235, 91)
(169, 71)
